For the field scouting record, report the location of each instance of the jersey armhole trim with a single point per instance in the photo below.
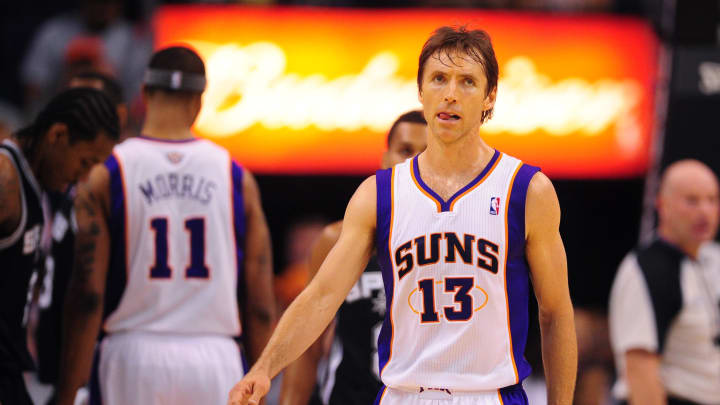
(505, 271)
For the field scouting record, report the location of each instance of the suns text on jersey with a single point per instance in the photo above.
(415, 252)
(178, 185)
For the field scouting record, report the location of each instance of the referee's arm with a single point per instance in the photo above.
(633, 335)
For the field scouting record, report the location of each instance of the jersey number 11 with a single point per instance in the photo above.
(197, 268)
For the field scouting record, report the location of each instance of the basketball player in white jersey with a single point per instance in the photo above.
(460, 230)
(173, 259)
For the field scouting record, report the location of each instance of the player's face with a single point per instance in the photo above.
(70, 162)
(408, 140)
(692, 210)
(454, 95)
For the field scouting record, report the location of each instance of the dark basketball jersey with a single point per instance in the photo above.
(59, 268)
(351, 374)
(21, 254)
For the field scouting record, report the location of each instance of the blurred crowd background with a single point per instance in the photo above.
(45, 42)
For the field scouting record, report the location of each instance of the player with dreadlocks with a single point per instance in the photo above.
(76, 130)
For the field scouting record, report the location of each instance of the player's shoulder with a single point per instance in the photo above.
(369, 186)
(9, 175)
(130, 144)
(363, 204)
(10, 194)
(521, 174)
(522, 166)
(207, 143)
(7, 166)
(541, 186)
(209, 148)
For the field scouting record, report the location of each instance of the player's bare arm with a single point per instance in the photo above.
(316, 306)
(10, 198)
(643, 378)
(259, 306)
(84, 303)
(299, 378)
(548, 271)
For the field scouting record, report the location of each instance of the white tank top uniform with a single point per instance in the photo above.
(457, 286)
(171, 306)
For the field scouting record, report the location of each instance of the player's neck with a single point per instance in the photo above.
(167, 124)
(468, 154)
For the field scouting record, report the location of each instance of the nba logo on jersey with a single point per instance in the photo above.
(494, 205)
(174, 157)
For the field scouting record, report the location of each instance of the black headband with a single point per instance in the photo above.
(174, 80)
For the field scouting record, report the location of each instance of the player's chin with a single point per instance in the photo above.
(448, 135)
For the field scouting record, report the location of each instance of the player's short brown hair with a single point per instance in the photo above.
(474, 43)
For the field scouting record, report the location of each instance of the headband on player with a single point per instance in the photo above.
(174, 80)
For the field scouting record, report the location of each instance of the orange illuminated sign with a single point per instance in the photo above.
(313, 90)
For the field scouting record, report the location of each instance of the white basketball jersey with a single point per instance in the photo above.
(176, 224)
(456, 279)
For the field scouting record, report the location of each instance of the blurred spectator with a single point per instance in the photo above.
(594, 357)
(295, 276)
(111, 87)
(9, 120)
(93, 38)
(665, 301)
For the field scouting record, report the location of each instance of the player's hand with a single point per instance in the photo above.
(250, 390)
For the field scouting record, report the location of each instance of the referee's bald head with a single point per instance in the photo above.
(684, 172)
(688, 204)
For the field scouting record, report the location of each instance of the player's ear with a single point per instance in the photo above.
(490, 99)
(58, 132)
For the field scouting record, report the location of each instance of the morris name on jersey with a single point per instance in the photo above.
(177, 185)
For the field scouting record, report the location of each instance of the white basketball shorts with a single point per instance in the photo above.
(164, 369)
